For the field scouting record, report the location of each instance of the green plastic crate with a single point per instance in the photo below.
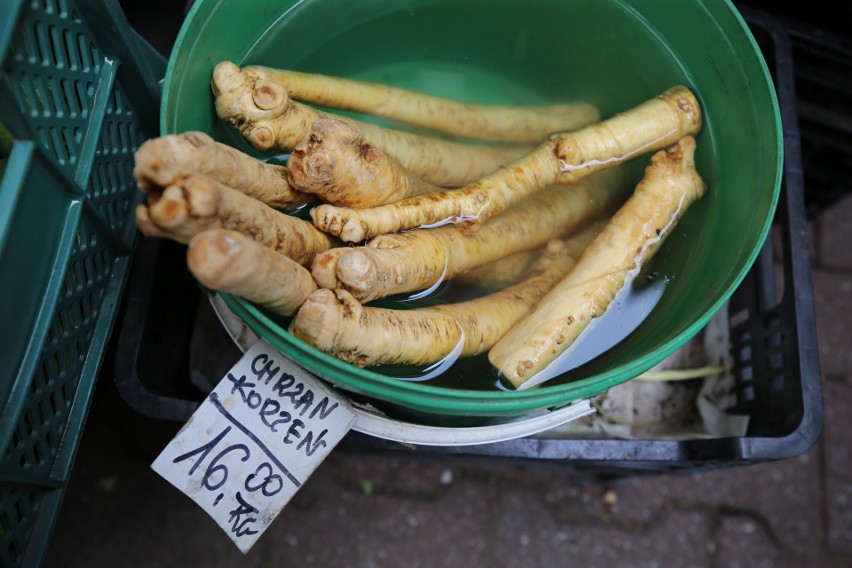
(79, 94)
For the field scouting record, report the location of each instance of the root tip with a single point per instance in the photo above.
(319, 167)
(356, 270)
(269, 96)
(197, 138)
(226, 77)
(262, 138)
(213, 257)
(324, 269)
(318, 319)
(332, 128)
(353, 232)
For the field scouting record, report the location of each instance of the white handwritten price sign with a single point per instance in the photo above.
(249, 447)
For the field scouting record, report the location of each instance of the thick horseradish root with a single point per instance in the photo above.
(335, 322)
(486, 122)
(231, 262)
(635, 232)
(563, 159)
(415, 260)
(270, 120)
(196, 203)
(337, 164)
(163, 161)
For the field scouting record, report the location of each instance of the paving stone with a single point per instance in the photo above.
(431, 476)
(785, 493)
(838, 465)
(566, 497)
(420, 477)
(835, 235)
(639, 499)
(839, 512)
(815, 560)
(136, 519)
(368, 472)
(743, 543)
(351, 528)
(528, 535)
(571, 501)
(833, 302)
(118, 512)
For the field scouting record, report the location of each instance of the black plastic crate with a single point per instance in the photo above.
(165, 361)
(822, 49)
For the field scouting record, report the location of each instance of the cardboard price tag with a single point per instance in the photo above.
(253, 442)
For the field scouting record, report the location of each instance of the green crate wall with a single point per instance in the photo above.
(79, 93)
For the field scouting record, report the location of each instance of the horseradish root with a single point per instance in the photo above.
(499, 273)
(231, 262)
(196, 203)
(335, 322)
(415, 260)
(163, 161)
(513, 124)
(635, 232)
(510, 269)
(338, 165)
(562, 159)
(463, 207)
(263, 112)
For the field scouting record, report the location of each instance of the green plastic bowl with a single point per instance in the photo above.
(615, 53)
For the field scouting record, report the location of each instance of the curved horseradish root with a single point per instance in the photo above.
(269, 119)
(196, 203)
(335, 322)
(231, 262)
(163, 161)
(563, 159)
(415, 260)
(486, 122)
(635, 232)
(336, 163)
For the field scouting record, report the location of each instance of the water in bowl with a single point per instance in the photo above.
(496, 62)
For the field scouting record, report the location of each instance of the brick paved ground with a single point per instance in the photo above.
(373, 511)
